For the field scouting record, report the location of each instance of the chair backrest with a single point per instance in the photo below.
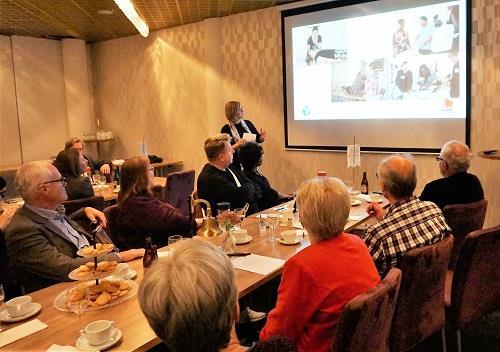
(178, 188)
(366, 321)
(463, 219)
(475, 289)
(73, 205)
(420, 310)
(111, 213)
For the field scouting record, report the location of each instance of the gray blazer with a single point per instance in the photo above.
(40, 253)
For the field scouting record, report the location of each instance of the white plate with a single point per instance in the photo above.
(378, 201)
(245, 241)
(355, 202)
(81, 254)
(297, 241)
(117, 273)
(83, 344)
(128, 274)
(6, 318)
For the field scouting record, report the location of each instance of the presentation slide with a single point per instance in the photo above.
(356, 71)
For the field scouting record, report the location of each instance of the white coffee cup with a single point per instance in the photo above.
(19, 306)
(99, 331)
(289, 236)
(239, 235)
(375, 197)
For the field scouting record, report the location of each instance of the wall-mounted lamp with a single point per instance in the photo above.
(128, 9)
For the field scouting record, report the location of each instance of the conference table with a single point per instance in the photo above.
(137, 335)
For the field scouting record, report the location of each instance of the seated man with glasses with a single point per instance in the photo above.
(41, 241)
(457, 185)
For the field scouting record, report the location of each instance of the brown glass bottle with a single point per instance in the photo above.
(148, 258)
(364, 184)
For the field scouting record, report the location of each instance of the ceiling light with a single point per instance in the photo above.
(128, 9)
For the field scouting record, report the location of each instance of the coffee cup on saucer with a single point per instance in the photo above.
(375, 198)
(19, 306)
(99, 331)
(289, 236)
(239, 235)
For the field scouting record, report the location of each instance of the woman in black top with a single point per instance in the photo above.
(71, 165)
(237, 126)
(251, 158)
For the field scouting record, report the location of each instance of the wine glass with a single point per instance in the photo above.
(2, 297)
(273, 221)
(78, 299)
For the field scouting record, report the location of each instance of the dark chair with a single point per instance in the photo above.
(111, 213)
(420, 311)
(463, 219)
(179, 187)
(366, 321)
(475, 287)
(75, 205)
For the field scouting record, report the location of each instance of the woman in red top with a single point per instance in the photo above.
(318, 281)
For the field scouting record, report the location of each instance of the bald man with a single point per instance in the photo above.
(457, 185)
(408, 223)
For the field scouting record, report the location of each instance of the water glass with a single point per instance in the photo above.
(78, 306)
(96, 178)
(172, 240)
(223, 207)
(273, 220)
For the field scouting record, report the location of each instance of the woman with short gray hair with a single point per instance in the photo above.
(190, 299)
(318, 281)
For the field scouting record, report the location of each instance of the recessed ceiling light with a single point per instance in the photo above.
(105, 12)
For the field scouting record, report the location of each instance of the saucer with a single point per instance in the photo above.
(6, 318)
(127, 274)
(355, 202)
(245, 241)
(286, 243)
(83, 344)
(378, 201)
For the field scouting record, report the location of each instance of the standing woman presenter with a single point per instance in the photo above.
(237, 127)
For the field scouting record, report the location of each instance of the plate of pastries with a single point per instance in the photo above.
(100, 249)
(89, 271)
(105, 294)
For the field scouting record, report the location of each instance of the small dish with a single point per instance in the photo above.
(83, 344)
(378, 201)
(6, 318)
(286, 243)
(355, 202)
(248, 239)
(128, 274)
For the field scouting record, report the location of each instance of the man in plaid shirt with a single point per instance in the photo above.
(408, 223)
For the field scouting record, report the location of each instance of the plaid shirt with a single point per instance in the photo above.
(408, 224)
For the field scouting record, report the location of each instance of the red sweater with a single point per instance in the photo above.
(315, 286)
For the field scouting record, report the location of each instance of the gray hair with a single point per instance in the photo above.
(399, 175)
(29, 176)
(324, 206)
(188, 297)
(457, 155)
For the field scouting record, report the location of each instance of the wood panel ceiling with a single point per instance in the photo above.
(80, 18)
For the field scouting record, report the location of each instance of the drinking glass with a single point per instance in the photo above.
(96, 178)
(223, 207)
(172, 240)
(78, 306)
(2, 296)
(102, 181)
(273, 221)
(241, 213)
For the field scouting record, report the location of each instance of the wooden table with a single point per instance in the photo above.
(137, 335)
(163, 168)
(109, 193)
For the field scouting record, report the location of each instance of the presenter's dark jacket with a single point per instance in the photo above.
(241, 131)
(215, 186)
(460, 188)
(40, 252)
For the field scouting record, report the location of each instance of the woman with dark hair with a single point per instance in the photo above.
(251, 158)
(237, 127)
(71, 165)
(141, 215)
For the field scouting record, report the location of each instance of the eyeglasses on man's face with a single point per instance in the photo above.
(62, 180)
(438, 158)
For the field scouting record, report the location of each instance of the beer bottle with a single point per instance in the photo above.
(364, 184)
(147, 260)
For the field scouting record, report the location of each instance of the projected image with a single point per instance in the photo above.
(397, 64)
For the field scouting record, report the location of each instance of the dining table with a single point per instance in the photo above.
(136, 333)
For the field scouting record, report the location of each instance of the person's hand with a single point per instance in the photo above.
(105, 169)
(94, 214)
(263, 135)
(374, 209)
(240, 142)
(5, 217)
(131, 254)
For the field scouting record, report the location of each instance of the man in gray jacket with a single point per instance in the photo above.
(41, 241)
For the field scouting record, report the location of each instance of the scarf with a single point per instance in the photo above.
(234, 131)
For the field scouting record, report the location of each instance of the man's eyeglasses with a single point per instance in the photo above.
(62, 180)
(438, 158)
